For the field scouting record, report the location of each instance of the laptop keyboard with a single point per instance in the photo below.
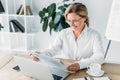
(56, 77)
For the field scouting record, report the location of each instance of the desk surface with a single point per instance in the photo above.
(7, 73)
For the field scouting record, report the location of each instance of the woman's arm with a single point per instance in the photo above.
(98, 53)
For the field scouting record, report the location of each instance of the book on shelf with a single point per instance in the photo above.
(13, 27)
(28, 10)
(16, 26)
(1, 7)
(20, 10)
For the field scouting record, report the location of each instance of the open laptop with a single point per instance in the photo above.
(39, 71)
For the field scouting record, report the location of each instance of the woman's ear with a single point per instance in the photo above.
(84, 18)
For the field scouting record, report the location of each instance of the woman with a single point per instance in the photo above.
(78, 42)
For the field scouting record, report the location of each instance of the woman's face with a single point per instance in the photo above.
(75, 21)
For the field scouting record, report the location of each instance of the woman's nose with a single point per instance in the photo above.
(72, 23)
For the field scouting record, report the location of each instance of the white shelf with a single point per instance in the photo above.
(25, 16)
(19, 41)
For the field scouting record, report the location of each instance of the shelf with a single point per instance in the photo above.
(4, 23)
(4, 41)
(14, 15)
(20, 25)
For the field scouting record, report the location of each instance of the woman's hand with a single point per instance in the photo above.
(34, 55)
(34, 58)
(74, 67)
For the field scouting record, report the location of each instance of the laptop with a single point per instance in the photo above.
(38, 70)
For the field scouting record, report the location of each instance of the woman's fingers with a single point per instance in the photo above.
(34, 58)
(73, 67)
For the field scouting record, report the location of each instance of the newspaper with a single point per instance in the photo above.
(51, 62)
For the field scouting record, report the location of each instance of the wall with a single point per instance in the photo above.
(98, 14)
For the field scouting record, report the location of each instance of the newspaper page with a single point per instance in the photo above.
(51, 62)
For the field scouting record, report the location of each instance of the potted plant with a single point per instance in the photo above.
(53, 17)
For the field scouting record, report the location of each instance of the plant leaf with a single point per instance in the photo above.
(56, 26)
(65, 0)
(59, 28)
(51, 9)
(66, 5)
(45, 10)
(50, 31)
(57, 18)
(45, 24)
(62, 9)
(41, 14)
(53, 16)
(41, 20)
(51, 24)
(63, 23)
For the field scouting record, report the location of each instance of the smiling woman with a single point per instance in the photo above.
(79, 43)
(77, 16)
(80, 10)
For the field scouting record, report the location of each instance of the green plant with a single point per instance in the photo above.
(53, 17)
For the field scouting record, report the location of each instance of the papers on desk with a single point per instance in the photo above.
(93, 78)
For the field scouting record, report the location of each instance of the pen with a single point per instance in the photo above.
(91, 78)
(85, 78)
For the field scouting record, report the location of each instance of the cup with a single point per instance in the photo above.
(94, 68)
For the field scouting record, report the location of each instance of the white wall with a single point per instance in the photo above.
(98, 14)
(114, 53)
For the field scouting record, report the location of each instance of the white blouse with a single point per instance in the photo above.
(87, 48)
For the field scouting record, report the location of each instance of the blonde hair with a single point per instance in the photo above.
(78, 8)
